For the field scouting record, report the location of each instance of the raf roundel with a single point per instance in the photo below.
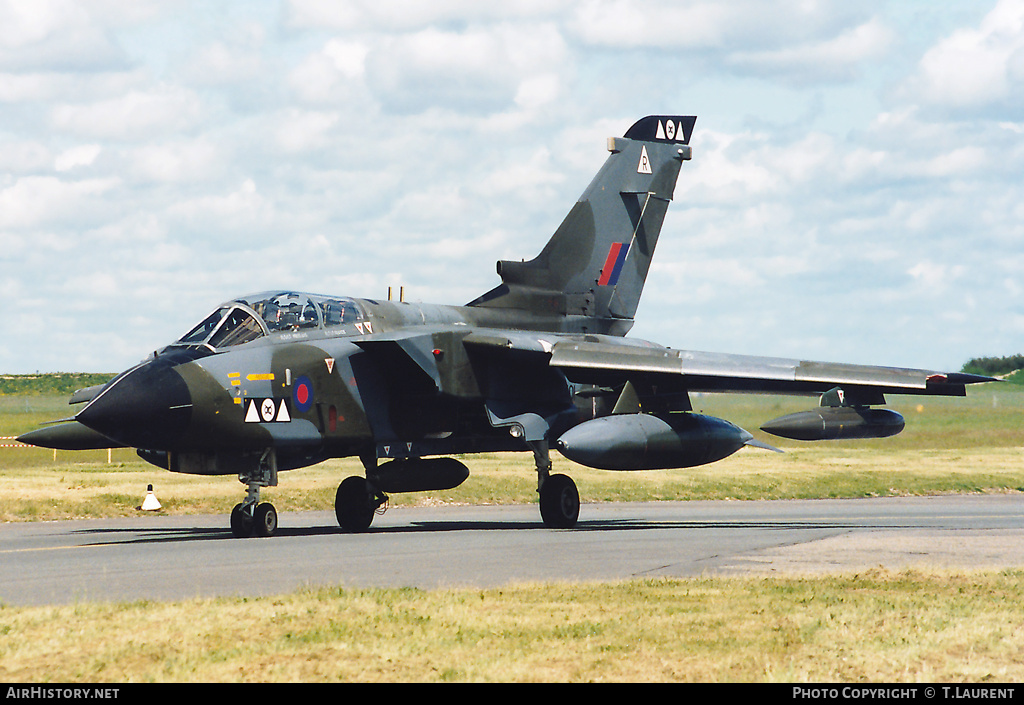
(302, 394)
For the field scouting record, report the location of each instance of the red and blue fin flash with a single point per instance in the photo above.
(613, 264)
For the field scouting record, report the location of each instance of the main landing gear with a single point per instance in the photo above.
(559, 498)
(355, 503)
(252, 518)
(358, 498)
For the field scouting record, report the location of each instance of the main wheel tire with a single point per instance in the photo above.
(352, 504)
(241, 523)
(559, 502)
(265, 520)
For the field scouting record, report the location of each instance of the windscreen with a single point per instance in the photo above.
(238, 327)
(202, 332)
(228, 325)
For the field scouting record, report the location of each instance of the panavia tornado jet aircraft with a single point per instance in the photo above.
(281, 380)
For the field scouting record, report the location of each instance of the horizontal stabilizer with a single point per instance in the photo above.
(83, 395)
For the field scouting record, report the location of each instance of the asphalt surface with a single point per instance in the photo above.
(160, 557)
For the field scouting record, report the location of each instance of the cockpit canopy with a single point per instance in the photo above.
(250, 317)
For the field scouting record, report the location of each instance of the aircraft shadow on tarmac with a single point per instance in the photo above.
(181, 534)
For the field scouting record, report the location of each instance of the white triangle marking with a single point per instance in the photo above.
(251, 415)
(644, 167)
(282, 413)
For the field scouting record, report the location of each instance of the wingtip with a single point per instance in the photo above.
(959, 378)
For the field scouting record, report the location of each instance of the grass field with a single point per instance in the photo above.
(877, 626)
(873, 627)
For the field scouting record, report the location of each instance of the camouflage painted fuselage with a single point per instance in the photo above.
(353, 391)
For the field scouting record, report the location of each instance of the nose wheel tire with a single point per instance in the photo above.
(265, 520)
(261, 522)
(559, 502)
(241, 522)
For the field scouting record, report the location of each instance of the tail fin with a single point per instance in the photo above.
(595, 264)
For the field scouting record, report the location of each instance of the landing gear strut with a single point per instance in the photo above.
(251, 518)
(559, 498)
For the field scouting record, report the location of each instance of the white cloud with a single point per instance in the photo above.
(83, 155)
(935, 277)
(134, 116)
(735, 26)
(243, 213)
(724, 169)
(53, 35)
(836, 58)
(476, 70)
(22, 157)
(221, 63)
(404, 15)
(532, 175)
(41, 201)
(977, 68)
(333, 75)
(181, 161)
(304, 130)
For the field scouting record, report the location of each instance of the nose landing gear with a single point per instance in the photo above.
(249, 520)
(252, 518)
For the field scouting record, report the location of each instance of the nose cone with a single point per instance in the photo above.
(67, 436)
(148, 407)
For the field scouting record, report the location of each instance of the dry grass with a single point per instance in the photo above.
(877, 627)
(68, 490)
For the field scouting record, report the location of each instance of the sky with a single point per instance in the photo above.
(855, 192)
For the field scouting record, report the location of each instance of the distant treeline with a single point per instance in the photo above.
(994, 366)
(51, 383)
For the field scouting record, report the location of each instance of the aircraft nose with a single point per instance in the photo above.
(148, 407)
